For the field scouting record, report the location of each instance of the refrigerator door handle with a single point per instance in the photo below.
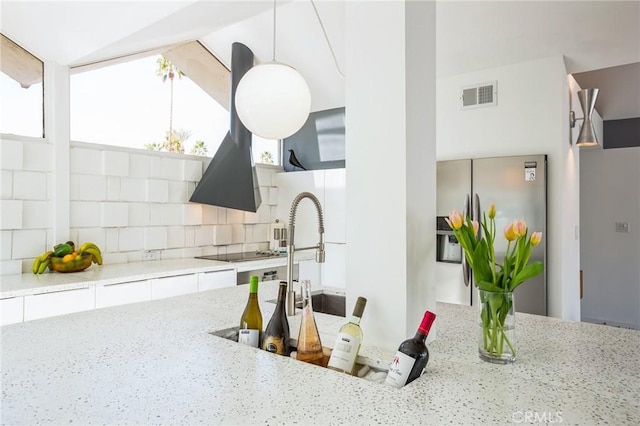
(466, 271)
(476, 212)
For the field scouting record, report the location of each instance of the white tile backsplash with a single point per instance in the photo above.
(11, 217)
(221, 235)
(133, 189)
(85, 161)
(11, 155)
(192, 214)
(115, 163)
(114, 214)
(37, 156)
(139, 214)
(155, 238)
(91, 187)
(85, 214)
(176, 236)
(204, 236)
(192, 170)
(172, 214)
(126, 202)
(131, 239)
(6, 184)
(94, 235)
(28, 243)
(5, 245)
(157, 191)
(29, 185)
(36, 215)
(172, 168)
(10, 267)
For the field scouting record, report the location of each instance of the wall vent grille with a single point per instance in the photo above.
(479, 95)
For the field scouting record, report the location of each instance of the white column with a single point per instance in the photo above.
(390, 154)
(57, 133)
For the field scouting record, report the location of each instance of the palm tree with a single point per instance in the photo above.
(167, 70)
(199, 148)
(266, 157)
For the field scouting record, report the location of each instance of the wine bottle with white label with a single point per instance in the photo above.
(276, 335)
(250, 332)
(412, 356)
(345, 349)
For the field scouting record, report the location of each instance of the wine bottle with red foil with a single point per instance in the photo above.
(412, 356)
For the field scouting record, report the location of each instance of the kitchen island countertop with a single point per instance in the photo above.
(156, 363)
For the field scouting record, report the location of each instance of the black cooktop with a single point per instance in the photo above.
(238, 257)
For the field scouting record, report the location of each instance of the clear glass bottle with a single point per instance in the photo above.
(250, 332)
(309, 344)
(345, 350)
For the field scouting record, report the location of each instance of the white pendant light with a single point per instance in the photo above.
(272, 99)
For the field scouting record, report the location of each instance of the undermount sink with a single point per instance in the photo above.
(325, 303)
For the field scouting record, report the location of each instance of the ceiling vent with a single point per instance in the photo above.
(479, 95)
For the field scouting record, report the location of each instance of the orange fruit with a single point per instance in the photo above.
(67, 258)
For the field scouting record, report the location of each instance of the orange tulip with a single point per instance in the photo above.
(520, 228)
(536, 237)
(509, 232)
(476, 226)
(454, 220)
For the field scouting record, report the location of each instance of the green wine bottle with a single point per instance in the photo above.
(250, 332)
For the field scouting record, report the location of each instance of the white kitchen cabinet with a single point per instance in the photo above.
(335, 206)
(11, 310)
(59, 303)
(217, 279)
(174, 286)
(309, 270)
(123, 293)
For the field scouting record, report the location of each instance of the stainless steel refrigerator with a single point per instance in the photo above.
(518, 188)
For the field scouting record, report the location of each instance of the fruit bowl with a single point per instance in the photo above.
(78, 263)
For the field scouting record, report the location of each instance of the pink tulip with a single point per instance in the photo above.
(509, 232)
(492, 211)
(476, 226)
(454, 220)
(520, 228)
(536, 237)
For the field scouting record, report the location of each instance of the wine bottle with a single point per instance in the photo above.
(309, 344)
(276, 335)
(251, 321)
(345, 350)
(412, 356)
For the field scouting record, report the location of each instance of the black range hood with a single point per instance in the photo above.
(230, 180)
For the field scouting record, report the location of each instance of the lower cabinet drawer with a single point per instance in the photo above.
(174, 286)
(59, 303)
(123, 293)
(12, 310)
(218, 279)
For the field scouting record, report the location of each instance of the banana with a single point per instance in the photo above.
(87, 245)
(40, 260)
(95, 252)
(44, 265)
(36, 265)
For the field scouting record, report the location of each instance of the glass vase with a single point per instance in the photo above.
(496, 327)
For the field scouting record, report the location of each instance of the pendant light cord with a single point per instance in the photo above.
(326, 37)
(273, 58)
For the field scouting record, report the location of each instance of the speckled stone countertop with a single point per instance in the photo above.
(156, 363)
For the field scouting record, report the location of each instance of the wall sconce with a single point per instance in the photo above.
(587, 136)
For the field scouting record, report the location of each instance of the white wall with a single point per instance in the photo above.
(531, 117)
(127, 201)
(610, 260)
